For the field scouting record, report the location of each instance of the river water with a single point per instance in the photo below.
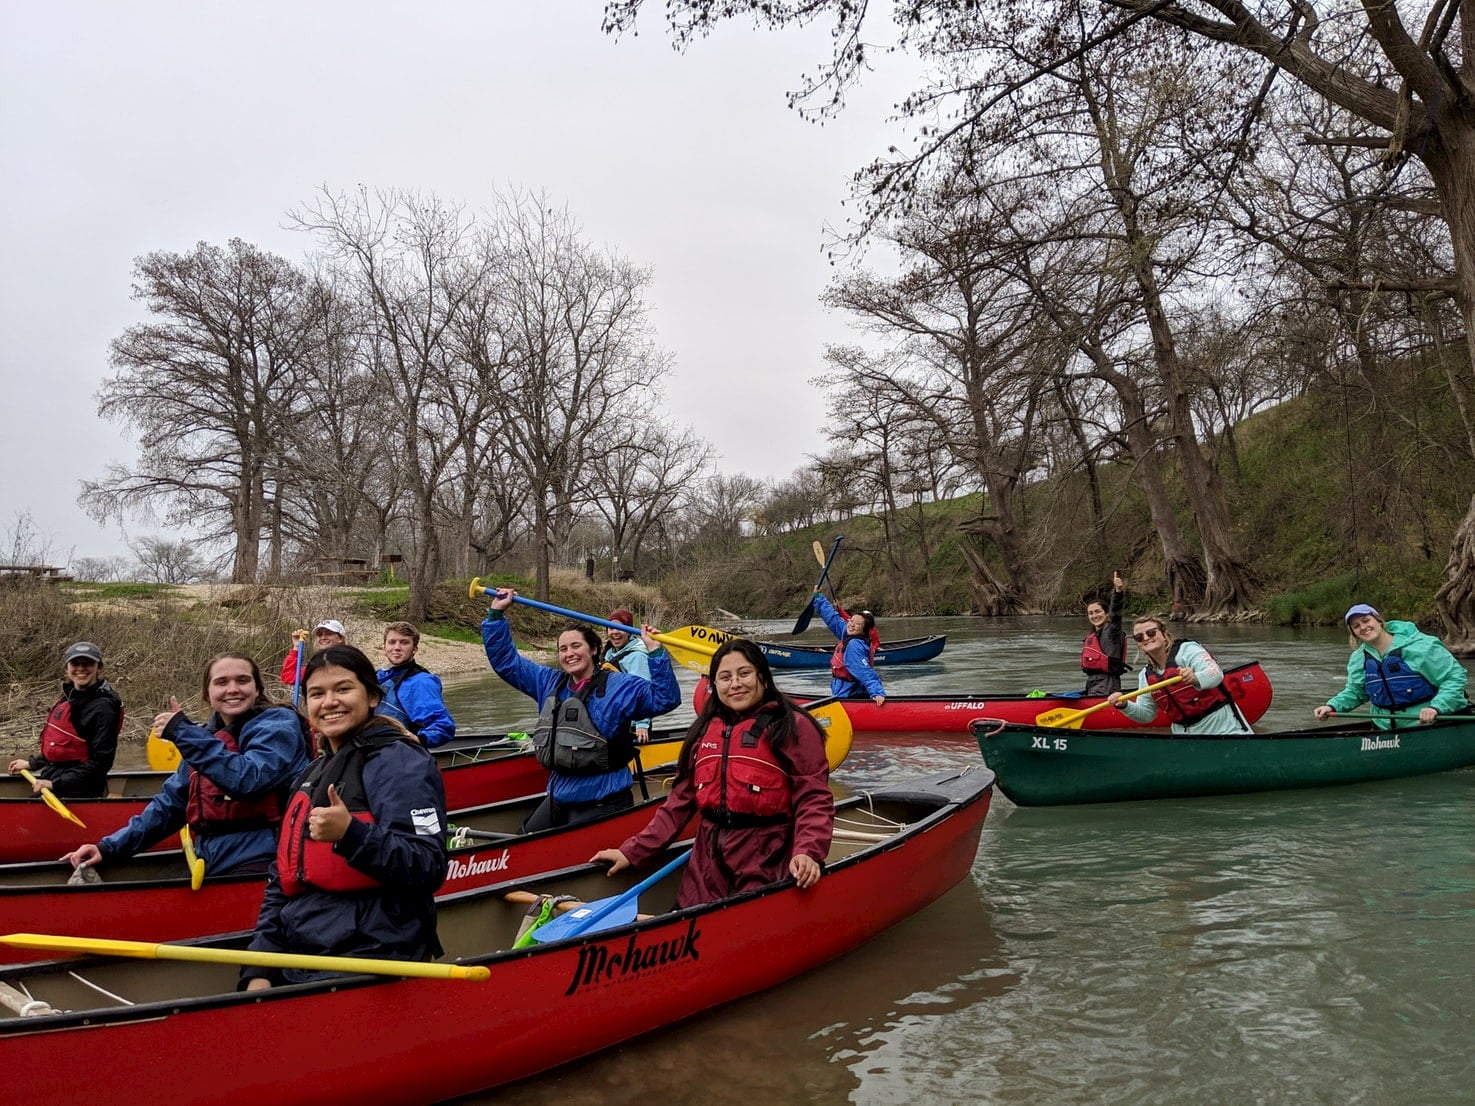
(1310, 946)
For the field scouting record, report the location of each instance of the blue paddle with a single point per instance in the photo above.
(297, 679)
(802, 622)
(604, 914)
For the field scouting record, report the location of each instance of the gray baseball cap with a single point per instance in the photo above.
(82, 650)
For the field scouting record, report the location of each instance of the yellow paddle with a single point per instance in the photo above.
(196, 865)
(163, 755)
(1063, 719)
(52, 801)
(144, 950)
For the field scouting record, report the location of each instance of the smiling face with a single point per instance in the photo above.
(398, 648)
(231, 690)
(1096, 615)
(575, 654)
(337, 703)
(857, 625)
(1152, 639)
(1366, 627)
(617, 638)
(83, 672)
(322, 638)
(739, 686)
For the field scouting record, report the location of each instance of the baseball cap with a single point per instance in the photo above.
(620, 614)
(82, 650)
(1357, 609)
(332, 625)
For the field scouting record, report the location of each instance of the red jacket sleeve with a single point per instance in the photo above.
(814, 805)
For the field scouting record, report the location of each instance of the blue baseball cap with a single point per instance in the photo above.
(1360, 608)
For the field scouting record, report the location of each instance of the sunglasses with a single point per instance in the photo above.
(1145, 635)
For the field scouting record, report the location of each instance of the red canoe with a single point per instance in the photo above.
(30, 830)
(417, 1041)
(476, 770)
(952, 713)
(148, 897)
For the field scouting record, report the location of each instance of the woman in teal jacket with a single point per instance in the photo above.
(1399, 669)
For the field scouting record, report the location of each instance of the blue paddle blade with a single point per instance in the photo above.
(576, 923)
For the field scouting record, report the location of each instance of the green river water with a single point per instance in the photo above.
(1311, 946)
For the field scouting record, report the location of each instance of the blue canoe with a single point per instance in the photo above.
(906, 651)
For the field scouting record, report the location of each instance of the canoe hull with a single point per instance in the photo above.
(473, 776)
(1039, 766)
(954, 713)
(891, 653)
(416, 1041)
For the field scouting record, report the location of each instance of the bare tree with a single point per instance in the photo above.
(574, 328)
(413, 263)
(208, 388)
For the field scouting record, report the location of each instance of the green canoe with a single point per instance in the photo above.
(1042, 766)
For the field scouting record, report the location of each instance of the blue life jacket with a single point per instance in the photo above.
(1391, 682)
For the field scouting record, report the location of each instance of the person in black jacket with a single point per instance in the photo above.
(1104, 651)
(80, 736)
(362, 848)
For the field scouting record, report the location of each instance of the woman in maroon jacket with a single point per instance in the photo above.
(753, 767)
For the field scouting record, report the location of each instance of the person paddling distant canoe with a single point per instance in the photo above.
(1104, 651)
(851, 673)
(1199, 705)
(584, 735)
(231, 786)
(1398, 669)
(79, 738)
(754, 768)
(363, 844)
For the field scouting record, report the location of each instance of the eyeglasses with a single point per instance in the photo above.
(1145, 635)
(867, 614)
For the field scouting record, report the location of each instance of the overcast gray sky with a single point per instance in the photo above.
(129, 126)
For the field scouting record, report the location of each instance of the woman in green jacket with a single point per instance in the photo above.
(1399, 669)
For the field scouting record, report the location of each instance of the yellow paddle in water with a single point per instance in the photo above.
(196, 865)
(1063, 719)
(52, 801)
(144, 950)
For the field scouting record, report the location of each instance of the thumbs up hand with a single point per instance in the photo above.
(329, 823)
(164, 717)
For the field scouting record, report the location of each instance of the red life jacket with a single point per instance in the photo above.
(740, 779)
(60, 741)
(1183, 703)
(208, 809)
(302, 862)
(1095, 659)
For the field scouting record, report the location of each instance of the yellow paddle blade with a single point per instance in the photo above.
(196, 865)
(163, 755)
(143, 950)
(52, 801)
(819, 553)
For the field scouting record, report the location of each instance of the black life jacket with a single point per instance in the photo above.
(566, 740)
(389, 705)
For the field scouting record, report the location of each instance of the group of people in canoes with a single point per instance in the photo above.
(342, 806)
(1402, 672)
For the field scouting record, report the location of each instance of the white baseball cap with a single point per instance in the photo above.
(332, 625)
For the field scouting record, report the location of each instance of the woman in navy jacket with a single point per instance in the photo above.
(363, 843)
